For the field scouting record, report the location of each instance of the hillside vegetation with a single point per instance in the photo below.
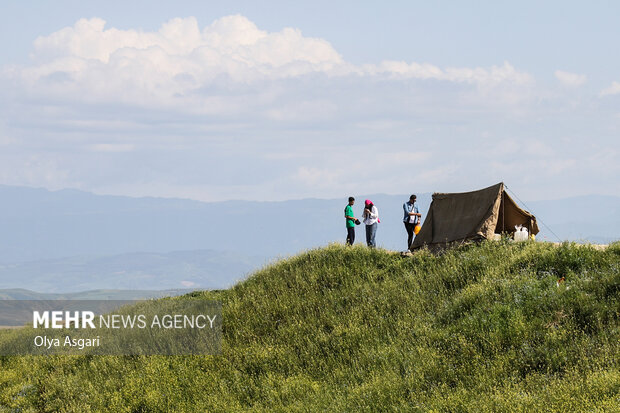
(481, 328)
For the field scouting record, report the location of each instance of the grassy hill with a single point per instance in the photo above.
(481, 328)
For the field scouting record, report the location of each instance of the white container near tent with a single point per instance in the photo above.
(521, 233)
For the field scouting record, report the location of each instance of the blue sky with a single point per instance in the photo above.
(280, 100)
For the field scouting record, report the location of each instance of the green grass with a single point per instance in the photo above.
(481, 328)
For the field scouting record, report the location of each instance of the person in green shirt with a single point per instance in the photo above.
(350, 220)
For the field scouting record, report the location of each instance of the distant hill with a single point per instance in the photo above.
(22, 294)
(132, 271)
(40, 224)
(483, 328)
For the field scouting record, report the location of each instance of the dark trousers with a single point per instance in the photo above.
(350, 235)
(371, 232)
(409, 227)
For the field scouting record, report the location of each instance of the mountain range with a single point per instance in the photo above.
(71, 240)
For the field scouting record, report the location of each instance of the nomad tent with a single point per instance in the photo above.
(471, 216)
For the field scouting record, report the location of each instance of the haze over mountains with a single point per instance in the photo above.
(130, 271)
(70, 240)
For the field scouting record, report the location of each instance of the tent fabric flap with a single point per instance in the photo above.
(511, 215)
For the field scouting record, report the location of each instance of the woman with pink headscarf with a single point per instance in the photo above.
(371, 218)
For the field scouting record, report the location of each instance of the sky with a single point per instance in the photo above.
(281, 100)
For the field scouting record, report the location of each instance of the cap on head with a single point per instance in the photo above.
(367, 202)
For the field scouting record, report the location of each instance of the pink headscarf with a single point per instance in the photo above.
(368, 202)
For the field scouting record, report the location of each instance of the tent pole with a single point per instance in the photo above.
(503, 207)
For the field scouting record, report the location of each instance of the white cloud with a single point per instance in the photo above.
(178, 65)
(406, 157)
(231, 38)
(175, 60)
(214, 112)
(319, 177)
(614, 89)
(479, 75)
(528, 147)
(570, 79)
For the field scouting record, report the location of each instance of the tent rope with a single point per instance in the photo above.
(532, 211)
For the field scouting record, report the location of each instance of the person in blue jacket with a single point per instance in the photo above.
(411, 218)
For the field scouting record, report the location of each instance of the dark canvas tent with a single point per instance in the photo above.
(475, 215)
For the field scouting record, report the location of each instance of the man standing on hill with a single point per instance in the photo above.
(350, 221)
(411, 218)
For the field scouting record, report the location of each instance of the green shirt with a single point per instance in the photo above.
(348, 212)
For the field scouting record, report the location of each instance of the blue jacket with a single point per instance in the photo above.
(407, 208)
